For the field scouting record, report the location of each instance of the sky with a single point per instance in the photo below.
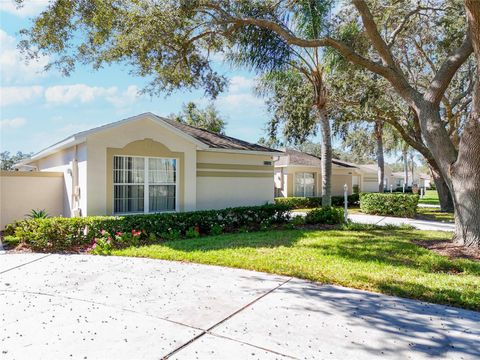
(39, 108)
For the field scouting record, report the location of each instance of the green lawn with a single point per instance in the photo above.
(435, 214)
(379, 260)
(430, 197)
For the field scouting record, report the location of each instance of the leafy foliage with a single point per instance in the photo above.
(38, 214)
(404, 205)
(315, 202)
(326, 215)
(207, 118)
(54, 234)
(7, 160)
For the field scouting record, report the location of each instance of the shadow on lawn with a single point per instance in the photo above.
(407, 326)
(388, 247)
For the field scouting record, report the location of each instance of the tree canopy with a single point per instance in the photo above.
(207, 118)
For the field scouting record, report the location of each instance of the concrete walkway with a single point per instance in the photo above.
(388, 220)
(93, 307)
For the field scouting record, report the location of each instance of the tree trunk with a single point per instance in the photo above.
(444, 197)
(465, 172)
(466, 183)
(326, 158)
(380, 159)
(405, 166)
(412, 166)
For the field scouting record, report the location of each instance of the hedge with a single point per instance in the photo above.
(57, 233)
(315, 202)
(326, 215)
(404, 205)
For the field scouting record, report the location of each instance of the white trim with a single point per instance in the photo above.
(246, 152)
(81, 137)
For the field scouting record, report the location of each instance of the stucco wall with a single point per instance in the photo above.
(340, 177)
(20, 192)
(118, 138)
(229, 179)
(62, 162)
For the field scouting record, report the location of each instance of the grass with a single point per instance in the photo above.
(435, 214)
(430, 197)
(423, 213)
(374, 259)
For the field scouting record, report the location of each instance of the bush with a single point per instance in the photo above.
(315, 202)
(408, 189)
(326, 215)
(404, 205)
(54, 234)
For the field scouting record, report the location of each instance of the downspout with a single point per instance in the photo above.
(76, 211)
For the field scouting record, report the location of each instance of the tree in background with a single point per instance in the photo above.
(7, 160)
(371, 139)
(171, 41)
(208, 118)
(292, 78)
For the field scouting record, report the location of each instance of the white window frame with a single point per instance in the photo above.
(303, 176)
(146, 185)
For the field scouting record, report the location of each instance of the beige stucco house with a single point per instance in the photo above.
(369, 177)
(147, 164)
(299, 174)
(421, 180)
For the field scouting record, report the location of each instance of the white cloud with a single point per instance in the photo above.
(82, 93)
(13, 68)
(240, 84)
(237, 101)
(19, 94)
(126, 98)
(29, 8)
(64, 94)
(12, 123)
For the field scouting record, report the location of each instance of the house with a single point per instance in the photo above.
(369, 177)
(421, 179)
(147, 164)
(299, 174)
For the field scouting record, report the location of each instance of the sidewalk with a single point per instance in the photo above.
(388, 220)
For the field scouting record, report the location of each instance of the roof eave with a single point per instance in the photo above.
(251, 152)
(72, 141)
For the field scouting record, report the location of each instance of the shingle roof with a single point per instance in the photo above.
(217, 141)
(207, 138)
(296, 157)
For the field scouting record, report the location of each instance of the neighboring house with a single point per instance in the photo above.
(299, 174)
(147, 164)
(421, 180)
(369, 177)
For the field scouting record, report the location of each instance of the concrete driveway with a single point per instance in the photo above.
(92, 307)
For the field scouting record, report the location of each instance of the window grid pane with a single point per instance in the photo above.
(304, 184)
(131, 179)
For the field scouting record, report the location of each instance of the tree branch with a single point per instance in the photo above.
(447, 71)
(372, 32)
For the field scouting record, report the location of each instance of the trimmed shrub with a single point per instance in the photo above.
(315, 202)
(404, 205)
(326, 215)
(57, 234)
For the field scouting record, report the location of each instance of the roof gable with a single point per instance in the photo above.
(298, 158)
(205, 140)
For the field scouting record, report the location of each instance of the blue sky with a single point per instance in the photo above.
(38, 108)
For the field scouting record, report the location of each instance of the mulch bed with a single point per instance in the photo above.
(450, 249)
